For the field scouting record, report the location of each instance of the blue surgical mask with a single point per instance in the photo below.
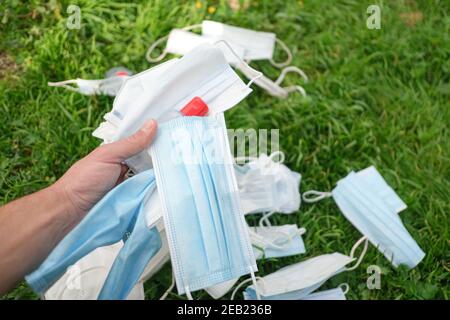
(206, 231)
(368, 202)
(330, 294)
(116, 215)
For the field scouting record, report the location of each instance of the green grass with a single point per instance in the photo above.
(376, 97)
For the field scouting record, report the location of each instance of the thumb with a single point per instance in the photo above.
(125, 148)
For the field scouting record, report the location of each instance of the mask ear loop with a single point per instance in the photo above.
(294, 69)
(316, 196)
(287, 237)
(363, 253)
(188, 293)
(288, 52)
(164, 296)
(252, 279)
(242, 62)
(344, 287)
(161, 40)
(64, 84)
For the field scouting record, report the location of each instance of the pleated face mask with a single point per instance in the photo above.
(331, 294)
(119, 215)
(248, 44)
(277, 241)
(298, 280)
(181, 42)
(206, 231)
(109, 86)
(84, 279)
(372, 206)
(266, 185)
(162, 92)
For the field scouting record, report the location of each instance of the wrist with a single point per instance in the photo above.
(65, 211)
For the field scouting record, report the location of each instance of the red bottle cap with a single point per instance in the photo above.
(121, 73)
(195, 107)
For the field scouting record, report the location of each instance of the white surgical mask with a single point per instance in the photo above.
(108, 86)
(247, 44)
(181, 42)
(160, 93)
(331, 294)
(266, 185)
(372, 206)
(84, 279)
(277, 241)
(300, 279)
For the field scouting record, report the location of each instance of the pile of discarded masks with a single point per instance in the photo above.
(186, 199)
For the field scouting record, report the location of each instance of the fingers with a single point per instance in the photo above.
(125, 148)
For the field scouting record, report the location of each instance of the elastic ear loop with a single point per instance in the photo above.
(287, 237)
(164, 296)
(161, 40)
(188, 293)
(344, 287)
(296, 87)
(316, 196)
(242, 62)
(363, 253)
(288, 52)
(252, 279)
(64, 84)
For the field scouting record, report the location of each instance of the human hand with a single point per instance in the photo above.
(90, 178)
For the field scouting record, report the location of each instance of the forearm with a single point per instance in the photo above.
(30, 228)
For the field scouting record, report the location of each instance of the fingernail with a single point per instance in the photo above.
(149, 125)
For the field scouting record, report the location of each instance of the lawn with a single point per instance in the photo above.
(375, 97)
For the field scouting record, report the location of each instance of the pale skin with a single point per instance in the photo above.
(30, 227)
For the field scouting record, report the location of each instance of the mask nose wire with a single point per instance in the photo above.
(242, 62)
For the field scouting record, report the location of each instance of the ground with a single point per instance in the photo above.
(375, 97)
